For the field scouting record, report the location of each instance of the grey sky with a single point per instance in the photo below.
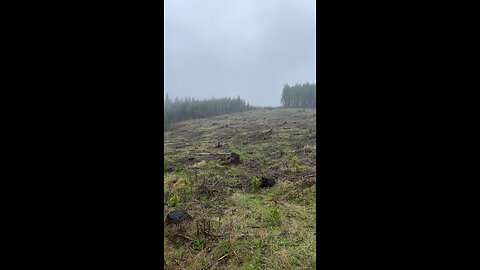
(247, 48)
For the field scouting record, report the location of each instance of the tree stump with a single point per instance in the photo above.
(267, 181)
(177, 216)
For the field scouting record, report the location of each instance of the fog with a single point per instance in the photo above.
(230, 48)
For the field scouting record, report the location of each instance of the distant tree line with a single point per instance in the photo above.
(299, 95)
(190, 108)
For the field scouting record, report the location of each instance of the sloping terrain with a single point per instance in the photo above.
(215, 168)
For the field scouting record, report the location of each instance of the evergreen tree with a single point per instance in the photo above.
(299, 95)
(189, 108)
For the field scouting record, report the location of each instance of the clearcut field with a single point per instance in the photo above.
(236, 224)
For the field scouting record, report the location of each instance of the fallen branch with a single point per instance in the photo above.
(207, 266)
(186, 237)
(212, 262)
(221, 258)
(217, 235)
(179, 263)
(277, 201)
(244, 235)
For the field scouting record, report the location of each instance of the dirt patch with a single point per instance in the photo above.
(216, 156)
(211, 188)
(261, 135)
(233, 159)
(253, 164)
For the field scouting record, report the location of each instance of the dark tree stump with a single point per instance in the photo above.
(267, 182)
(233, 159)
(177, 216)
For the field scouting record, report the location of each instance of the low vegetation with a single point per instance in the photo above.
(214, 170)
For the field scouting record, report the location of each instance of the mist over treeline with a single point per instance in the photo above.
(299, 95)
(179, 109)
(190, 108)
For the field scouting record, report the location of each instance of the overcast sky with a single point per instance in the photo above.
(230, 48)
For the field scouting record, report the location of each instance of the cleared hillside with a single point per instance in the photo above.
(236, 224)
